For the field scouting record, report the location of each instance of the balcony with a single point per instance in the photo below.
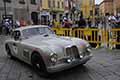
(57, 9)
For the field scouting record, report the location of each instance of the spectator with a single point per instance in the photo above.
(30, 22)
(81, 22)
(97, 22)
(112, 21)
(104, 22)
(7, 26)
(89, 22)
(118, 21)
(66, 23)
(22, 22)
(17, 24)
(50, 23)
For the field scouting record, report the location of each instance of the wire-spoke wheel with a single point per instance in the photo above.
(38, 64)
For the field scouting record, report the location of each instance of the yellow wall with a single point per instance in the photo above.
(106, 7)
(87, 7)
(45, 4)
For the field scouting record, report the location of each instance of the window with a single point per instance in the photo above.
(40, 3)
(62, 5)
(91, 2)
(33, 1)
(22, 1)
(49, 3)
(36, 31)
(58, 3)
(91, 13)
(54, 3)
(7, 1)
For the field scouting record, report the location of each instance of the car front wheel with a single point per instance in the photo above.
(38, 64)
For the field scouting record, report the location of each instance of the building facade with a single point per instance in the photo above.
(88, 8)
(56, 9)
(18, 9)
(51, 9)
(85, 7)
(97, 10)
(106, 7)
(116, 6)
(44, 14)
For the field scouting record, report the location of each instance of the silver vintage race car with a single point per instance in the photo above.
(40, 47)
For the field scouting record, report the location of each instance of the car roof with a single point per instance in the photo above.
(30, 26)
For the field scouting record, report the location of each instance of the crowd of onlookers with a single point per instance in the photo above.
(66, 22)
(109, 21)
(102, 22)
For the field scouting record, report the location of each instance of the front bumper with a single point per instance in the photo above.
(66, 65)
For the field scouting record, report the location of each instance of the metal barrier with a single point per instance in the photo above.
(90, 35)
(96, 37)
(63, 31)
(114, 38)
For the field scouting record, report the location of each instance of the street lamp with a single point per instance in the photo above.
(28, 9)
(5, 8)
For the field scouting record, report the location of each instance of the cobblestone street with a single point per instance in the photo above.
(104, 65)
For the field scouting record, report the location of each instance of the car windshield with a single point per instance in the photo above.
(36, 31)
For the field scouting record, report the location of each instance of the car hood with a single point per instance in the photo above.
(49, 41)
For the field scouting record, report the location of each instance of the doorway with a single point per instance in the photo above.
(34, 17)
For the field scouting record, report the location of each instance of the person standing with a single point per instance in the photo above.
(66, 23)
(82, 22)
(97, 21)
(89, 23)
(22, 22)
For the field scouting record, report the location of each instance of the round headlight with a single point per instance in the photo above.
(81, 56)
(53, 57)
(88, 45)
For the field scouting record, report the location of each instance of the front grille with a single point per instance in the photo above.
(72, 52)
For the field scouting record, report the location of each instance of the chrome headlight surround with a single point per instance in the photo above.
(88, 48)
(53, 57)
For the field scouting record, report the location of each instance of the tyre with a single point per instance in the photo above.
(38, 64)
(9, 54)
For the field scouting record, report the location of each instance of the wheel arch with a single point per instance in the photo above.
(36, 52)
(41, 58)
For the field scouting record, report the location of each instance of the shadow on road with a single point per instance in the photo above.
(65, 75)
(73, 72)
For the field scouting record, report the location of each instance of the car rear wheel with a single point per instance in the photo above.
(9, 54)
(38, 64)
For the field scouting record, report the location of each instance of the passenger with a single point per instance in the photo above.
(22, 22)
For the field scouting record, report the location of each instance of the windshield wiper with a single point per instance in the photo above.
(46, 35)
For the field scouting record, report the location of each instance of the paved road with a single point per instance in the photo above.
(105, 65)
